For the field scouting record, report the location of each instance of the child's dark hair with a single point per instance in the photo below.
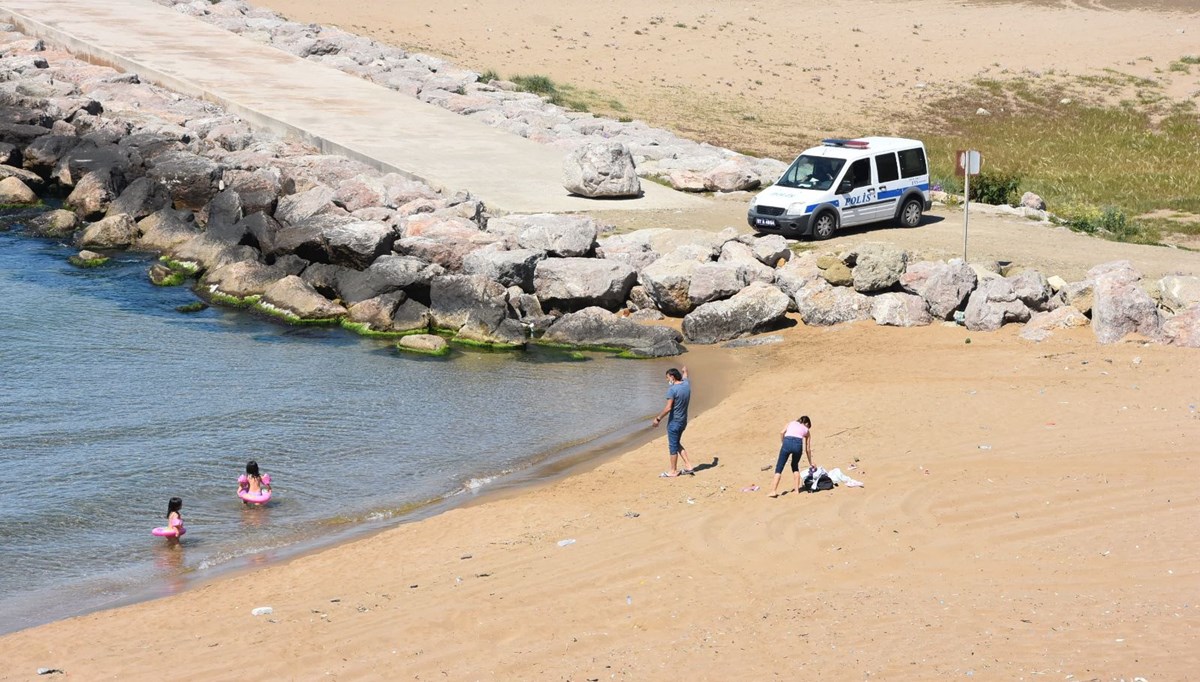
(252, 469)
(806, 421)
(675, 374)
(174, 505)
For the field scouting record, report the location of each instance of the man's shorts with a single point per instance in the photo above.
(674, 433)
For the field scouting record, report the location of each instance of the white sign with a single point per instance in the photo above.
(969, 162)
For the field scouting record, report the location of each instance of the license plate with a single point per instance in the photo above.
(764, 222)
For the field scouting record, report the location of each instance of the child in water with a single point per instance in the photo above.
(175, 519)
(252, 482)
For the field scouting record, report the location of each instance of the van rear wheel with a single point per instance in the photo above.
(910, 215)
(824, 225)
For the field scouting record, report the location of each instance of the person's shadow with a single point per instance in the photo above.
(707, 465)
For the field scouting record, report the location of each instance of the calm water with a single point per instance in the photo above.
(111, 402)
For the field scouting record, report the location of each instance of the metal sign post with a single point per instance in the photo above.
(969, 162)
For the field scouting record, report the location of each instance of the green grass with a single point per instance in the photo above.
(180, 265)
(567, 96)
(488, 76)
(174, 279)
(1094, 163)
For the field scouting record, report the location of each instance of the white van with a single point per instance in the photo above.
(843, 183)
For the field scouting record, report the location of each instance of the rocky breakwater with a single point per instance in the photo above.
(683, 164)
(260, 222)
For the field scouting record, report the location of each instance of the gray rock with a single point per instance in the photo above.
(380, 313)
(93, 194)
(822, 305)
(221, 216)
(877, 267)
(358, 244)
(1033, 290)
(634, 252)
(834, 270)
(258, 189)
(113, 232)
(294, 209)
(1031, 200)
(748, 266)
(424, 343)
(207, 253)
(1120, 306)
(15, 192)
(1079, 295)
(1183, 328)
(755, 308)
(564, 236)
(732, 175)
(242, 279)
(141, 198)
(713, 282)
(944, 286)
(30, 178)
(596, 327)
(42, 154)
(900, 310)
(667, 241)
(510, 268)
(1178, 293)
(769, 249)
(601, 170)
(994, 304)
(456, 300)
(190, 179)
(295, 298)
(797, 274)
(260, 230)
(387, 274)
(1041, 326)
(668, 282)
(164, 230)
(58, 223)
(570, 284)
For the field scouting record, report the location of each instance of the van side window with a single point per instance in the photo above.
(912, 162)
(859, 174)
(885, 165)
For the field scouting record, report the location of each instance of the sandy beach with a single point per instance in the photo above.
(1028, 510)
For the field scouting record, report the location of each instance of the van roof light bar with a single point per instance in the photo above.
(850, 144)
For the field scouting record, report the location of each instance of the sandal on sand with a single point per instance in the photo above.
(689, 472)
(667, 474)
(773, 495)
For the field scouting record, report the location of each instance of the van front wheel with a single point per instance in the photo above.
(824, 225)
(910, 215)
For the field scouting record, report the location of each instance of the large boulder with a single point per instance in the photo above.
(1080, 295)
(93, 194)
(822, 305)
(223, 213)
(570, 284)
(294, 209)
(242, 279)
(190, 179)
(713, 282)
(735, 174)
(141, 198)
(877, 267)
(564, 236)
(259, 230)
(633, 251)
(455, 299)
(1041, 326)
(797, 274)
(597, 327)
(1183, 329)
(834, 270)
(601, 170)
(900, 310)
(445, 240)
(359, 243)
(743, 259)
(293, 299)
(1120, 305)
(769, 249)
(387, 274)
(1178, 293)
(667, 241)
(755, 308)
(113, 232)
(510, 268)
(668, 281)
(391, 312)
(944, 286)
(58, 223)
(203, 252)
(993, 304)
(1032, 288)
(14, 192)
(258, 189)
(165, 229)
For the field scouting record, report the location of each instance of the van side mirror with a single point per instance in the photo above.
(843, 187)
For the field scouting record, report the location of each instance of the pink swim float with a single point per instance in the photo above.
(260, 497)
(169, 531)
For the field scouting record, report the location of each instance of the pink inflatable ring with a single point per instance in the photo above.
(260, 497)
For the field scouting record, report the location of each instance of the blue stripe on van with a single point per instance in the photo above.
(809, 209)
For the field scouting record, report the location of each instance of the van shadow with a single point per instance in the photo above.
(882, 227)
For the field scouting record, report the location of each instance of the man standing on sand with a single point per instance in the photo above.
(679, 394)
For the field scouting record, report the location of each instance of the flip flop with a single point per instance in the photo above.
(667, 474)
(689, 472)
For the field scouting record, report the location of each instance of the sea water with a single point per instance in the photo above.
(112, 402)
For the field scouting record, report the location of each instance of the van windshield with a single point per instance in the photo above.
(812, 172)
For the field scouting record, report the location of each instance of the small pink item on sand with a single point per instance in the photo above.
(750, 489)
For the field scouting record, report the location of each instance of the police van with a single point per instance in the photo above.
(844, 183)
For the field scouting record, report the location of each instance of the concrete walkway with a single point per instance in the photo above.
(334, 111)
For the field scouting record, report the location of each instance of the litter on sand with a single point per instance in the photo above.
(750, 489)
(568, 541)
